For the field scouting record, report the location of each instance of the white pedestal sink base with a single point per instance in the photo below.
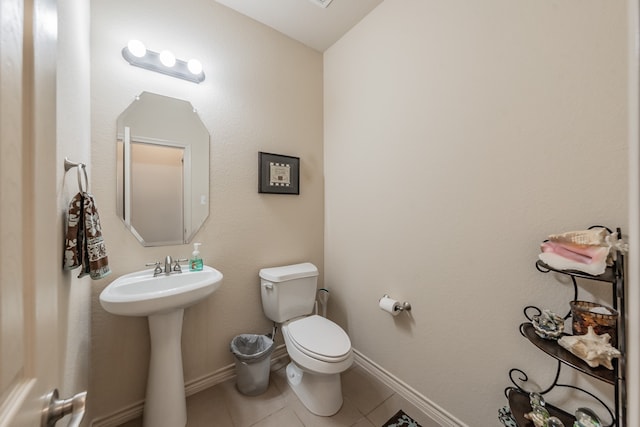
(163, 299)
(165, 404)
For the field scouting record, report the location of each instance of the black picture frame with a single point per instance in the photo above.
(278, 174)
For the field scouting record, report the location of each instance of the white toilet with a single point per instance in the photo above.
(319, 349)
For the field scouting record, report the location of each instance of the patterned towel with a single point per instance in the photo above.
(84, 245)
(74, 234)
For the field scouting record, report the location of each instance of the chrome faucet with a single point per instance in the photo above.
(170, 266)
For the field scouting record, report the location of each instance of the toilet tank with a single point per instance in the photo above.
(288, 291)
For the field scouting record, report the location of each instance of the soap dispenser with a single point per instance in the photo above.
(195, 263)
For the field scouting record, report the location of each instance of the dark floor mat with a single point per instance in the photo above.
(401, 419)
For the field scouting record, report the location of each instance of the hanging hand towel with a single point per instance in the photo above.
(95, 260)
(84, 245)
(74, 234)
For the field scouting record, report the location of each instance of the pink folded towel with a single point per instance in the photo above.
(585, 254)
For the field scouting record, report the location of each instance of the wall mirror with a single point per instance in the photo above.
(162, 171)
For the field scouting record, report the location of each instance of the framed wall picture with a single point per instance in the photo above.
(278, 174)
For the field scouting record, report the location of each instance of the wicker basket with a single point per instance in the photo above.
(583, 317)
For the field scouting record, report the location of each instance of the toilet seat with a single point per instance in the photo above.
(319, 338)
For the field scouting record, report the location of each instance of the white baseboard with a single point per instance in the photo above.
(444, 418)
(191, 387)
(197, 385)
(227, 373)
(120, 416)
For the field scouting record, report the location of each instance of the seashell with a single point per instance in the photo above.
(594, 349)
(539, 415)
(585, 417)
(555, 422)
(594, 237)
(536, 399)
(589, 251)
(548, 325)
(618, 245)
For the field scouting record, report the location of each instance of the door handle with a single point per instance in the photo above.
(56, 408)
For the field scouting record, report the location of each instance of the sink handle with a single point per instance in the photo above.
(177, 268)
(157, 270)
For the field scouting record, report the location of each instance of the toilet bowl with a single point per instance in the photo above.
(319, 349)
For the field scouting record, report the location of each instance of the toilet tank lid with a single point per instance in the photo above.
(289, 272)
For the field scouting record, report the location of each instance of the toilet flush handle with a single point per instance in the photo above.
(268, 285)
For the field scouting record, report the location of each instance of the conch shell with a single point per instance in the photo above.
(589, 251)
(592, 237)
(594, 349)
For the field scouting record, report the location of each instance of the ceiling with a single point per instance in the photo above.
(306, 20)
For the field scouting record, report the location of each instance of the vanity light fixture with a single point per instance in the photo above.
(164, 62)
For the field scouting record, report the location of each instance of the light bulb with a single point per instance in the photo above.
(137, 48)
(194, 66)
(167, 58)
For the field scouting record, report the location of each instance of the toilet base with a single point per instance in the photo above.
(320, 394)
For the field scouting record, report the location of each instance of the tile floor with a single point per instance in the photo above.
(367, 403)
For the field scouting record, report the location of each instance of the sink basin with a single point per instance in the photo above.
(141, 294)
(162, 299)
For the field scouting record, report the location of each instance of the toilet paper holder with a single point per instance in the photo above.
(405, 306)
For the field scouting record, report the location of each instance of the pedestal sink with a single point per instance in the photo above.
(162, 299)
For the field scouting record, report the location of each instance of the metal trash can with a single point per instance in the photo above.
(253, 362)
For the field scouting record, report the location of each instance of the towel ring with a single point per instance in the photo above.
(68, 164)
(86, 179)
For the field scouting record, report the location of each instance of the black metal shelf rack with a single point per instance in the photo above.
(518, 397)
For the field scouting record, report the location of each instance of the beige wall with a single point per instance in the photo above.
(73, 141)
(263, 92)
(458, 135)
